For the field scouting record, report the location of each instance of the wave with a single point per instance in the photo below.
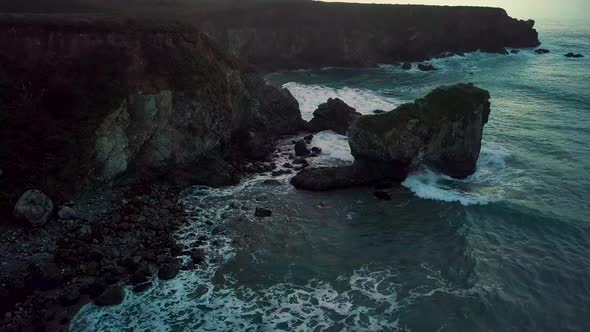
(489, 183)
(365, 101)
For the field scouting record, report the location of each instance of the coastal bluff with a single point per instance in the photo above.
(303, 34)
(89, 100)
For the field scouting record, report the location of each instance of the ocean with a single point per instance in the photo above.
(507, 249)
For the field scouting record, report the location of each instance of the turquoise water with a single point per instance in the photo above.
(507, 249)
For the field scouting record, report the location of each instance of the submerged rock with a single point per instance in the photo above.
(426, 67)
(262, 213)
(407, 66)
(442, 131)
(542, 51)
(514, 51)
(574, 55)
(34, 207)
(334, 115)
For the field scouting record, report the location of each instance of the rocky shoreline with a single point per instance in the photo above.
(120, 236)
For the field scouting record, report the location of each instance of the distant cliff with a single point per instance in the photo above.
(315, 34)
(87, 100)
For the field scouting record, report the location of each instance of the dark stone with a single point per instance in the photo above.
(407, 66)
(142, 287)
(300, 161)
(378, 111)
(426, 67)
(308, 138)
(138, 277)
(542, 51)
(287, 165)
(197, 256)
(382, 195)
(573, 55)
(169, 269)
(262, 212)
(111, 296)
(514, 51)
(301, 148)
(334, 115)
(315, 151)
(34, 207)
(281, 172)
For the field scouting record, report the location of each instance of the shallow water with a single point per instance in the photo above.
(507, 249)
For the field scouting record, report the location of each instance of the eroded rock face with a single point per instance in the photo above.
(128, 98)
(33, 207)
(334, 115)
(442, 131)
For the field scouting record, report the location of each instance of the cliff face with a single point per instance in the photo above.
(86, 101)
(316, 34)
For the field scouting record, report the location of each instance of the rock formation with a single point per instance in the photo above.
(352, 35)
(574, 55)
(86, 101)
(334, 115)
(442, 131)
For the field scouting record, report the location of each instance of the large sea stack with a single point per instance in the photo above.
(442, 131)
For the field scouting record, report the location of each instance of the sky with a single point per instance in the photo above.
(523, 9)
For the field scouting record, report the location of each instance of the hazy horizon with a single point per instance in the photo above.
(524, 9)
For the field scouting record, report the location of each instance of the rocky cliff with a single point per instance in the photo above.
(442, 131)
(316, 34)
(87, 100)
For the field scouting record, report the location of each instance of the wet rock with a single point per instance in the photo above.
(426, 67)
(197, 256)
(315, 151)
(334, 115)
(111, 296)
(382, 195)
(169, 269)
(378, 111)
(142, 287)
(67, 213)
(281, 172)
(308, 138)
(407, 66)
(542, 51)
(262, 212)
(34, 207)
(300, 161)
(301, 148)
(287, 165)
(573, 55)
(514, 51)
(138, 277)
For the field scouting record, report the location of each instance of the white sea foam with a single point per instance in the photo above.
(365, 101)
(486, 185)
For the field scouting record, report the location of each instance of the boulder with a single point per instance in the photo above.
(569, 55)
(169, 269)
(67, 213)
(34, 207)
(407, 66)
(111, 296)
(301, 148)
(542, 51)
(334, 115)
(441, 131)
(426, 67)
